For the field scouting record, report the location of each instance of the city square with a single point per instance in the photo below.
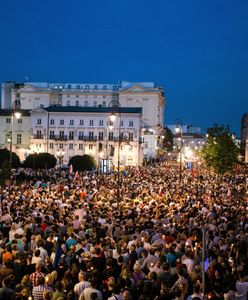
(132, 188)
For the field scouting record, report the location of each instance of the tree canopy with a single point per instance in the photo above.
(40, 161)
(5, 156)
(82, 162)
(168, 139)
(220, 152)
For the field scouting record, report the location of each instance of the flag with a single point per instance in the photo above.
(206, 265)
(70, 169)
(76, 176)
(92, 171)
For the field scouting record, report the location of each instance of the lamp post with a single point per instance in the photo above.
(115, 107)
(179, 129)
(60, 154)
(16, 115)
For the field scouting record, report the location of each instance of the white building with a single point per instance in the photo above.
(85, 130)
(146, 95)
(20, 129)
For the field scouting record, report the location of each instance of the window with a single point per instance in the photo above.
(111, 136)
(68, 96)
(100, 136)
(51, 134)
(61, 122)
(91, 135)
(81, 135)
(38, 134)
(121, 123)
(86, 103)
(104, 87)
(61, 146)
(77, 86)
(100, 146)
(19, 121)
(81, 146)
(114, 87)
(95, 103)
(77, 103)
(104, 103)
(19, 138)
(77, 96)
(95, 96)
(69, 86)
(52, 122)
(62, 134)
(68, 102)
(8, 120)
(81, 122)
(91, 122)
(95, 87)
(100, 122)
(87, 87)
(71, 135)
(130, 124)
(111, 123)
(90, 146)
(71, 146)
(38, 121)
(51, 145)
(71, 122)
(130, 136)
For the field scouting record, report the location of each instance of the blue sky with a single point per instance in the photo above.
(197, 50)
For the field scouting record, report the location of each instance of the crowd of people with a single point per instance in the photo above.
(69, 237)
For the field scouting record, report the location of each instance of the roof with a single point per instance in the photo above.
(135, 110)
(190, 135)
(7, 112)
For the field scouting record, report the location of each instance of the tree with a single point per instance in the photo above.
(82, 162)
(168, 139)
(220, 151)
(5, 156)
(40, 161)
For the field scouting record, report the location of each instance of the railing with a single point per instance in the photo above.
(90, 138)
(59, 137)
(38, 136)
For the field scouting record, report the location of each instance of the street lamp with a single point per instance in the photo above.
(16, 115)
(115, 107)
(179, 129)
(60, 154)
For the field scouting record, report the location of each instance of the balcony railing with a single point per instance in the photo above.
(59, 137)
(38, 136)
(90, 138)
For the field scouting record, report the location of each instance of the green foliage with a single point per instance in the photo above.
(220, 151)
(5, 156)
(40, 161)
(168, 139)
(82, 162)
(5, 170)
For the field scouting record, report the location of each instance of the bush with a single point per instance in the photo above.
(40, 161)
(82, 162)
(5, 156)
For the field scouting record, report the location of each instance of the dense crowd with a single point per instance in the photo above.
(68, 237)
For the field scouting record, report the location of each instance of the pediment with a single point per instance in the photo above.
(38, 110)
(28, 88)
(137, 88)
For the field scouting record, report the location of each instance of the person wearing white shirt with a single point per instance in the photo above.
(86, 295)
(81, 285)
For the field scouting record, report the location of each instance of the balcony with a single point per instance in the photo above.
(59, 137)
(38, 136)
(90, 138)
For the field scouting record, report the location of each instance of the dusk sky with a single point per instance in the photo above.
(196, 50)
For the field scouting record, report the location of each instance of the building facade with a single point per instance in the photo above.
(145, 95)
(88, 130)
(16, 129)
